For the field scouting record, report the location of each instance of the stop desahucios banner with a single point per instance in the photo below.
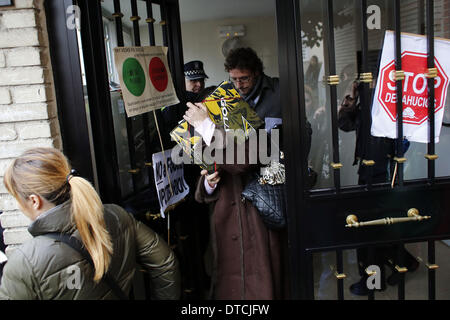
(415, 88)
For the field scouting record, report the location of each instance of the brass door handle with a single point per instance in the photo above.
(413, 215)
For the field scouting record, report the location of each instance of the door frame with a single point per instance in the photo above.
(69, 91)
(72, 115)
(294, 126)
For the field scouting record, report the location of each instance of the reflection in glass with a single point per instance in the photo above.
(416, 288)
(86, 104)
(120, 135)
(346, 56)
(348, 41)
(416, 166)
(316, 105)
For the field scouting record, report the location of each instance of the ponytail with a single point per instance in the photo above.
(46, 172)
(87, 213)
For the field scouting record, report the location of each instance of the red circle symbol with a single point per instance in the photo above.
(158, 74)
(415, 90)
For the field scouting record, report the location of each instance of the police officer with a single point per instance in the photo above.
(194, 78)
(195, 83)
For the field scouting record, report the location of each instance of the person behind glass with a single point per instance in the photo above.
(312, 74)
(194, 79)
(48, 192)
(316, 116)
(382, 151)
(247, 255)
(192, 224)
(194, 76)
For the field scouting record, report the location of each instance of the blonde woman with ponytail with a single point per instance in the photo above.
(59, 202)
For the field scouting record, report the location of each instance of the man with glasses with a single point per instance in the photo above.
(261, 92)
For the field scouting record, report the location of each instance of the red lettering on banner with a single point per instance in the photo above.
(415, 84)
(158, 74)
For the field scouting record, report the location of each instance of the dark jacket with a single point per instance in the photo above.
(267, 96)
(368, 147)
(42, 267)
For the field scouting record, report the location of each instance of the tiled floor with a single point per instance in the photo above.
(416, 283)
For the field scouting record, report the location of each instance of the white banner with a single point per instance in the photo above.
(415, 90)
(144, 78)
(163, 187)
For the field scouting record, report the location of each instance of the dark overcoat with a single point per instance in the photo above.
(248, 257)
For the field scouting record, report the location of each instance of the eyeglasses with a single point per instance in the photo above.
(242, 80)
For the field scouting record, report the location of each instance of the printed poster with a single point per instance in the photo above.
(145, 78)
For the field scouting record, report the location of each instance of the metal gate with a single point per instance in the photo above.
(319, 219)
(122, 146)
(320, 223)
(97, 128)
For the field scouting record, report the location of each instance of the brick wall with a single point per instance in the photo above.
(27, 103)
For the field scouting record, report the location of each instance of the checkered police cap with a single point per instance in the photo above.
(193, 70)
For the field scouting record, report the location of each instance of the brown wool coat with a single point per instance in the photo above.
(247, 255)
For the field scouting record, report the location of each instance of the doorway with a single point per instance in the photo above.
(287, 35)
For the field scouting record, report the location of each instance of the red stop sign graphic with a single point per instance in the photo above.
(158, 74)
(415, 90)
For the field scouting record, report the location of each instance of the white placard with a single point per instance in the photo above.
(163, 187)
(415, 90)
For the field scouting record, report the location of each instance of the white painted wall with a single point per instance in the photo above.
(201, 41)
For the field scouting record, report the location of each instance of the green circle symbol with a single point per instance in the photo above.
(133, 76)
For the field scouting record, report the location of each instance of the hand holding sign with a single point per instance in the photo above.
(213, 179)
(195, 114)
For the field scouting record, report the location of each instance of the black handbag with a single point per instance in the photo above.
(269, 200)
(266, 191)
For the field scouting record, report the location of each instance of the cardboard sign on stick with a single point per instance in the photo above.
(144, 78)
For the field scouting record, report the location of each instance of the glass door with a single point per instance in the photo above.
(336, 52)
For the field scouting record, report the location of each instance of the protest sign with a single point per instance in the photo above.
(415, 93)
(168, 192)
(144, 78)
(226, 109)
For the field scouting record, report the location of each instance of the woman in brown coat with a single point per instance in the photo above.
(247, 255)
